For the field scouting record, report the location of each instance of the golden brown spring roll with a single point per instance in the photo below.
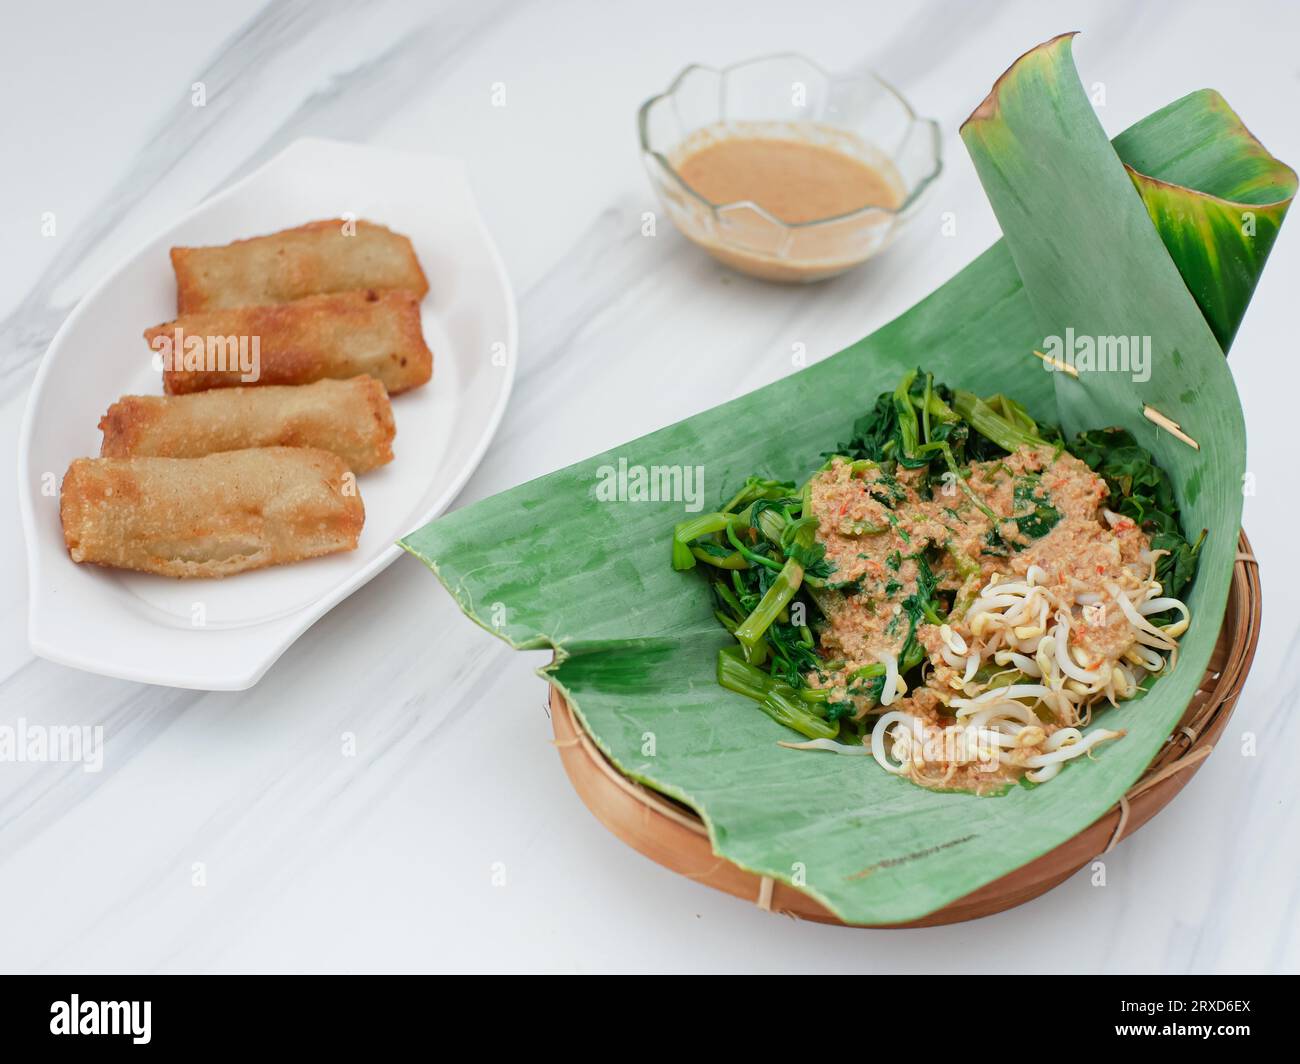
(213, 516)
(314, 258)
(338, 335)
(353, 419)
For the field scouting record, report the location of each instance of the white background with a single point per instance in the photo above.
(384, 861)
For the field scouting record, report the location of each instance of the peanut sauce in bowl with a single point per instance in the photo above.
(794, 179)
(782, 172)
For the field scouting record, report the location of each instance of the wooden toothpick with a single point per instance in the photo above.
(1168, 424)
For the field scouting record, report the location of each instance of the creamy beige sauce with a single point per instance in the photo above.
(818, 183)
(797, 181)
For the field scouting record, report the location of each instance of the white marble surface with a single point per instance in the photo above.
(385, 860)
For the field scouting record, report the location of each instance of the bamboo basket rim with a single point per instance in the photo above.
(673, 835)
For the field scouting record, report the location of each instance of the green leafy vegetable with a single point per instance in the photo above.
(1141, 490)
(1039, 516)
(765, 542)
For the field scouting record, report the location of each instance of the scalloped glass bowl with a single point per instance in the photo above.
(787, 96)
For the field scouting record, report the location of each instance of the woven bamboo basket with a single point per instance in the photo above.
(671, 834)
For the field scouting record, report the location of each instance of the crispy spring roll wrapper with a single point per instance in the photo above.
(284, 266)
(340, 336)
(210, 517)
(353, 419)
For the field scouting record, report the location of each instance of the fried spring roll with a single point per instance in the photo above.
(213, 516)
(353, 419)
(284, 266)
(338, 335)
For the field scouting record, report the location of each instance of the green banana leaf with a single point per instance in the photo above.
(549, 564)
(1217, 206)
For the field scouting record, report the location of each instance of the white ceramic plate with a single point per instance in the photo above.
(224, 634)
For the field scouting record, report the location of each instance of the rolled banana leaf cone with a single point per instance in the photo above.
(1145, 237)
